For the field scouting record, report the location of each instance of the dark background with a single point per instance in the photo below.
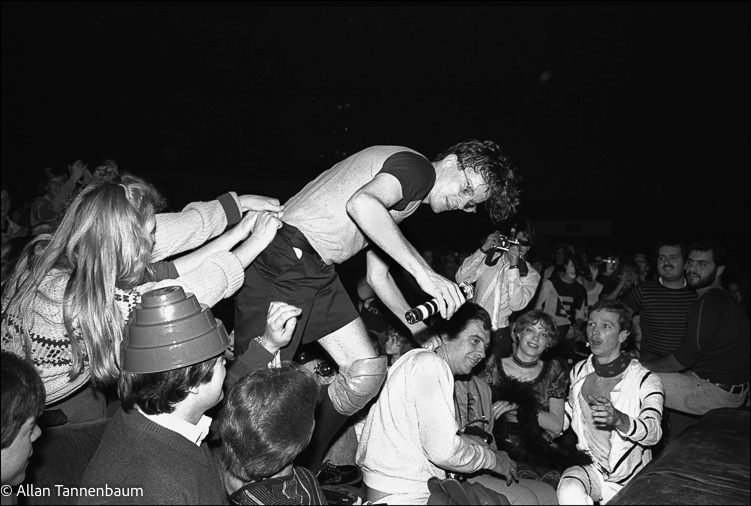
(634, 114)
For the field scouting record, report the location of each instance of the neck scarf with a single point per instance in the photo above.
(613, 368)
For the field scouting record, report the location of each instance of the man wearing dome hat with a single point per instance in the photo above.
(172, 372)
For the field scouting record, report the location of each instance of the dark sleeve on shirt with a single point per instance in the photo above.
(165, 270)
(230, 209)
(255, 357)
(704, 321)
(415, 174)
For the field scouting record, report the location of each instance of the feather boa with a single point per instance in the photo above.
(534, 448)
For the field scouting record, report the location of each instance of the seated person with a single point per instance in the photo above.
(614, 407)
(22, 404)
(528, 402)
(168, 380)
(267, 420)
(410, 434)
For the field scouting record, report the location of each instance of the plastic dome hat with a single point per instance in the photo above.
(169, 330)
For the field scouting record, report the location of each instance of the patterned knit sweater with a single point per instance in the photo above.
(218, 277)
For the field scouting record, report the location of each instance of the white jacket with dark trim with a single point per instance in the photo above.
(640, 396)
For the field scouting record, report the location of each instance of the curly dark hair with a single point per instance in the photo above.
(498, 172)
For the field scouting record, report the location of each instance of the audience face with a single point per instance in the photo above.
(467, 349)
(640, 259)
(569, 274)
(605, 336)
(701, 269)
(611, 265)
(534, 339)
(54, 185)
(670, 265)
(15, 457)
(393, 344)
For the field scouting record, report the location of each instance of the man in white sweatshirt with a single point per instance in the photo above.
(411, 432)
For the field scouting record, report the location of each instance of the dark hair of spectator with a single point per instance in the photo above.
(718, 251)
(625, 318)
(467, 313)
(669, 241)
(22, 395)
(159, 392)
(497, 170)
(267, 420)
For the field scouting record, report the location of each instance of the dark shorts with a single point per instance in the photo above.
(308, 283)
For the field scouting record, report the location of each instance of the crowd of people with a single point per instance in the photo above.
(551, 385)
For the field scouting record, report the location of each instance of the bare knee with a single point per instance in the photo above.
(571, 491)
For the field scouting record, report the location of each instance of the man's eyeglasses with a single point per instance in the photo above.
(467, 191)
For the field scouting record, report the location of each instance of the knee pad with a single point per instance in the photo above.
(357, 384)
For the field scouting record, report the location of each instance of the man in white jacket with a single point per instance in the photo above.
(615, 408)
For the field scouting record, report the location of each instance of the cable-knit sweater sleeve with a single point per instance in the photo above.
(218, 277)
(194, 225)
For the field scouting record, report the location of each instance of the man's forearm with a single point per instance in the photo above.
(668, 363)
(374, 219)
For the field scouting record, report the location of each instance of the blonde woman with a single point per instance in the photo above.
(70, 296)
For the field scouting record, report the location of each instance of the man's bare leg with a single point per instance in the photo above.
(361, 374)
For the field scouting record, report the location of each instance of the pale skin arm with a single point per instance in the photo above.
(368, 207)
(552, 420)
(383, 285)
(543, 294)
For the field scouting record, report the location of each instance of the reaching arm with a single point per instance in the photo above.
(368, 207)
(384, 286)
(668, 363)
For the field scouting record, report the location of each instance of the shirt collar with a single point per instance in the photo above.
(193, 433)
(663, 283)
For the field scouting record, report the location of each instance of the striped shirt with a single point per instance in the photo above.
(663, 316)
(300, 487)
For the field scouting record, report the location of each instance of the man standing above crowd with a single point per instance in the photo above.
(714, 353)
(359, 201)
(662, 304)
(504, 281)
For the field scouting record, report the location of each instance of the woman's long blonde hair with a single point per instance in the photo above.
(101, 243)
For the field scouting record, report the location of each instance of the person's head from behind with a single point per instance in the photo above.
(705, 263)
(104, 240)
(23, 400)
(478, 172)
(51, 180)
(465, 337)
(160, 392)
(267, 420)
(172, 355)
